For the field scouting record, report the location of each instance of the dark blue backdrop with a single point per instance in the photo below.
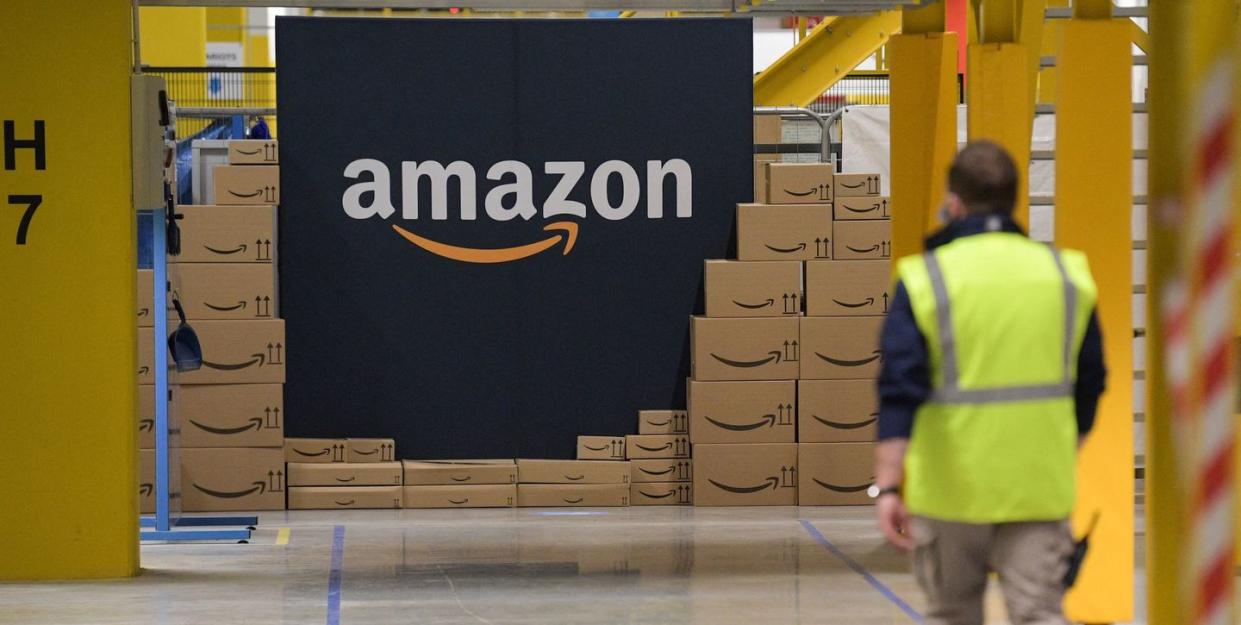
(457, 359)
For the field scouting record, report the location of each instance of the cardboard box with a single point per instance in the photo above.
(760, 175)
(370, 450)
(239, 352)
(861, 208)
(562, 495)
(760, 474)
(572, 472)
(146, 481)
(661, 494)
(231, 415)
(745, 349)
(342, 497)
(856, 185)
(146, 298)
(661, 470)
(800, 183)
(837, 411)
(459, 472)
(601, 448)
(841, 348)
(862, 240)
(835, 474)
(743, 412)
(253, 152)
(317, 450)
(227, 234)
(146, 356)
(767, 129)
(227, 290)
(146, 416)
(753, 289)
(663, 422)
(344, 474)
(847, 288)
(657, 446)
(232, 479)
(474, 496)
(772, 232)
(249, 184)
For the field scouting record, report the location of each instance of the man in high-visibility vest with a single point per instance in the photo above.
(993, 367)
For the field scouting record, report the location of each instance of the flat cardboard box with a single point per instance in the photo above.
(857, 185)
(459, 472)
(657, 446)
(344, 497)
(663, 422)
(232, 479)
(601, 448)
(760, 175)
(227, 290)
(835, 474)
(572, 472)
(753, 288)
(247, 184)
(344, 474)
(661, 494)
(474, 496)
(767, 129)
(841, 348)
(743, 412)
(146, 416)
(773, 232)
(227, 234)
(146, 298)
(847, 288)
(231, 415)
(253, 152)
(146, 357)
(661, 470)
(317, 450)
(146, 481)
(239, 352)
(759, 474)
(862, 240)
(837, 411)
(370, 450)
(861, 208)
(745, 349)
(572, 495)
(800, 183)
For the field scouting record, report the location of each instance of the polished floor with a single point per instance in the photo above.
(527, 566)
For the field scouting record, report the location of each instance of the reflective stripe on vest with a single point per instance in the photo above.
(950, 392)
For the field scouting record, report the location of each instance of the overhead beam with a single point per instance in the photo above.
(510, 5)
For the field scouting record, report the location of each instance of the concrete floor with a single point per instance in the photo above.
(528, 566)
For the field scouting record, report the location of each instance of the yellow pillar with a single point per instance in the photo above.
(1094, 198)
(69, 472)
(173, 36)
(924, 95)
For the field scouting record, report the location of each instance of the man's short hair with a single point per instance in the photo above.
(984, 176)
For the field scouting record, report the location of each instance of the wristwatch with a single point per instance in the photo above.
(875, 491)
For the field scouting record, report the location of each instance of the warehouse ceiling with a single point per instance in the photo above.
(764, 7)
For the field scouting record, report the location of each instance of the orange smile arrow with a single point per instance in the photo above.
(496, 255)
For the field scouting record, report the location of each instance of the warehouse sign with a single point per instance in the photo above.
(492, 232)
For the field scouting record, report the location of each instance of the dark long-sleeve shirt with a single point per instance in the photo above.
(905, 378)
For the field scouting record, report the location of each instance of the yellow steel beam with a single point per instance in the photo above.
(1030, 15)
(1139, 37)
(1000, 106)
(928, 18)
(997, 21)
(825, 56)
(1092, 9)
(1094, 200)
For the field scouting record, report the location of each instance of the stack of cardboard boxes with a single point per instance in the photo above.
(329, 474)
(791, 328)
(768, 130)
(460, 483)
(661, 468)
(561, 483)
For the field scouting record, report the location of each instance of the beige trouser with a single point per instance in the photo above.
(951, 562)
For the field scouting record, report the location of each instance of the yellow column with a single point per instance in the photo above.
(173, 36)
(1094, 198)
(923, 62)
(67, 315)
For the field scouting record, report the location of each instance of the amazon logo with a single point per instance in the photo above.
(877, 355)
(266, 194)
(613, 448)
(791, 353)
(677, 422)
(255, 424)
(882, 248)
(146, 425)
(840, 425)
(786, 479)
(880, 206)
(274, 484)
(145, 490)
(791, 303)
(865, 303)
(459, 502)
(510, 196)
(838, 488)
(677, 471)
(679, 493)
(783, 417)
(333, 453)
(678, 447)
(267, 149)
(869, 185)
(384, 452)
(821, 193)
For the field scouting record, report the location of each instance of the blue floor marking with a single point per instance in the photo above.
(861, 570)
(333, 579)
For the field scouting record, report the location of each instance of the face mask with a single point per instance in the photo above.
(944, 217)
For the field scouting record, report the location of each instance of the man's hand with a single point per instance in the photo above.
(894, 521)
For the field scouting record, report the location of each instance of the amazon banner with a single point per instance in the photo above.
(492, 232)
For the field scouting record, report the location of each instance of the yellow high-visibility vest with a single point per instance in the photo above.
(1004, 318)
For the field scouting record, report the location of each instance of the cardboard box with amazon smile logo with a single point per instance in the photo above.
(745, 349)
(775, 232)
(239, 352)
(743, 412)
(835, 474)
(841, 348)
(748, 474)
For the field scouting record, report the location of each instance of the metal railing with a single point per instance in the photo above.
(205, 94)
(864, 87)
